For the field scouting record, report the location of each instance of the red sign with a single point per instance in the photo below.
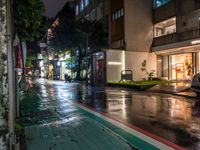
(18, 56)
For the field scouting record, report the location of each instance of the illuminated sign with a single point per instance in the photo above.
(195, 42)
(114, 63)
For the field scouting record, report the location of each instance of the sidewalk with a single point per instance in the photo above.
(170, 88)
(61, 124)
(178, 89)
(187, 93)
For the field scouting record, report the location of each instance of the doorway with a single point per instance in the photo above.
(181, 66)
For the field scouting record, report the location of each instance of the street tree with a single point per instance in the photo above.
(62, 30)
(81, 36)
(28, 17)
(29, 23)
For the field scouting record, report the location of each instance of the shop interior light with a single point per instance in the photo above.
(41, 63)
(58, 63)
(195, 42)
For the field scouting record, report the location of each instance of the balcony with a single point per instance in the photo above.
(176, 37)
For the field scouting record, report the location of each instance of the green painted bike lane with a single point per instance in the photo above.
(64, 125)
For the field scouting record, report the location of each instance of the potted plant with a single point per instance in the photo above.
(149, 73)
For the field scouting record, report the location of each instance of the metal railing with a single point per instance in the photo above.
(176, 37)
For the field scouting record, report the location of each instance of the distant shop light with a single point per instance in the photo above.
(39, 56)
(99, 55)
(58, 63)
(114, 63)
(50, 57)
(67, 56)
(195, 42)
(61, 58)
(41, 63)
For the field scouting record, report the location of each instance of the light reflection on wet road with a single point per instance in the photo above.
(176, 119)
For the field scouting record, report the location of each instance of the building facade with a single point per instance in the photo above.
(176, 40)
(129, 36)
(97, 11)
(165, 33)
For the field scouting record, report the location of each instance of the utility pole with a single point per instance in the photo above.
(11, 78)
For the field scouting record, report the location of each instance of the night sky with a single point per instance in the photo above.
(53, 6)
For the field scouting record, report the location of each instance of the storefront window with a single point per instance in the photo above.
(181, 66)
(158, 3)
(117, 14)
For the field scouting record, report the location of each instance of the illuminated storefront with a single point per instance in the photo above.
(63, 66)
(50, 71)
(181, 66)
(180, 63)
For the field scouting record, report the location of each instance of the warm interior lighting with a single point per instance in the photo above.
(195, 42)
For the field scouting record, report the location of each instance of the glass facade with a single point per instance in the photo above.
(158, 3)
(181, 66)
(117, 14)
(81, 5)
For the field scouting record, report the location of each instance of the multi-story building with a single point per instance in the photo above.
(177, 38)
(53, 65)
(165, 33)
(94, 10)
(130, 33)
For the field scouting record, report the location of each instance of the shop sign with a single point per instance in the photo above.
(43, 45)
(99, 55)
(195, 42)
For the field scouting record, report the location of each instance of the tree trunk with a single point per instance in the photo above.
(80, 57)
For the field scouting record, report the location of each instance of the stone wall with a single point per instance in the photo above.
(3, 71)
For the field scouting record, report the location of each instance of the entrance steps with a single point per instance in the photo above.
(171, 88)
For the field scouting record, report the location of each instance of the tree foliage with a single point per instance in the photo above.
(28, 18)
(76, 34)
(63, 31)
(31, 57)
(97, 37)
(81, 36)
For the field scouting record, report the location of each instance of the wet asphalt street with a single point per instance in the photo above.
(176, 119)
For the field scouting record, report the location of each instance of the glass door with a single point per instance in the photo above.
(181, 66)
